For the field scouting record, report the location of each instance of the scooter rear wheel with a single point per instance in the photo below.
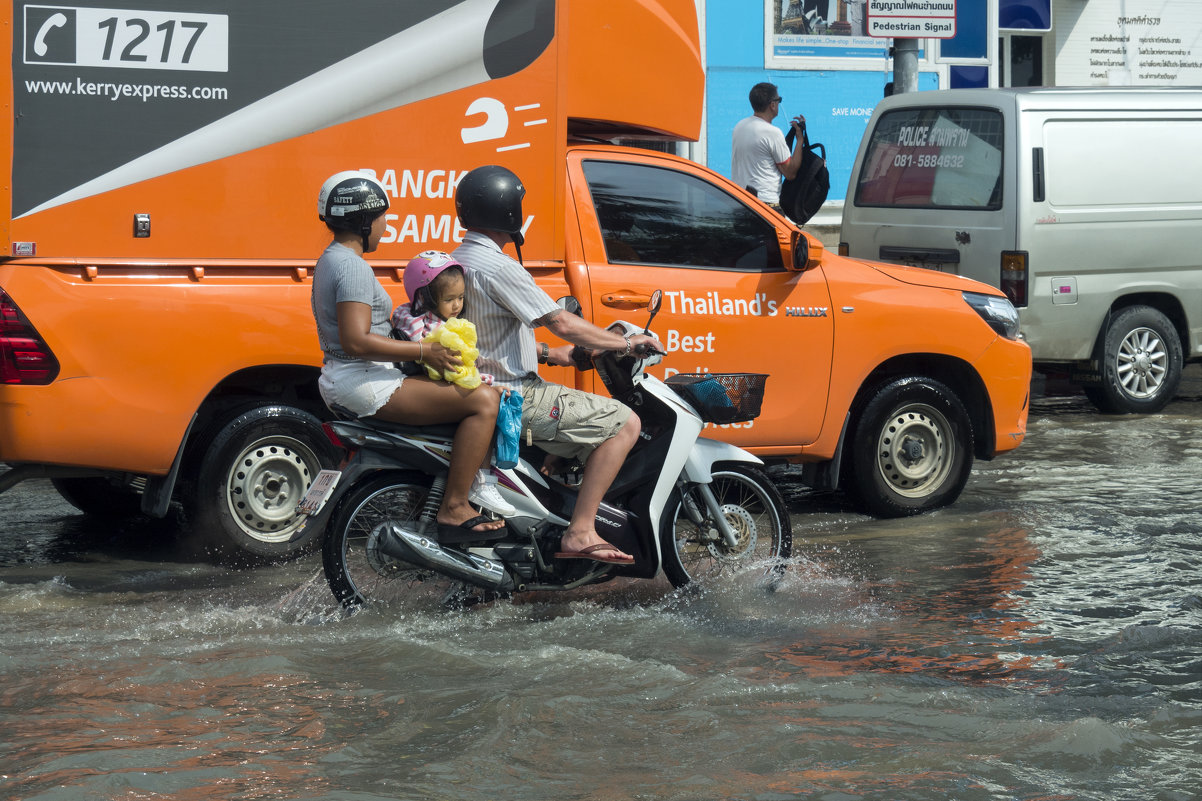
(755, 510)
(359, 574)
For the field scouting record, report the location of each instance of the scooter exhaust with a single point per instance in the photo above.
(417, 549)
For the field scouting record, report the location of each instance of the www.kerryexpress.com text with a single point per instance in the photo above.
(117, 91)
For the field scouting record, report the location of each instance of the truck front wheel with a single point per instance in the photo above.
(911, 448)
(254, 471)
(1140, 357)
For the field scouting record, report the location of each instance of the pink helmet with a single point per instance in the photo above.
(424, 268)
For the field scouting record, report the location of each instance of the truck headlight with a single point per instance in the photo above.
(998, 313)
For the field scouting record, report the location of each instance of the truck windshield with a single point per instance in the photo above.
(938, 158)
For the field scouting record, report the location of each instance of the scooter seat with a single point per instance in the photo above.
(441, 430)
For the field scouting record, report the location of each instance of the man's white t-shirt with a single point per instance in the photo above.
(757, 147)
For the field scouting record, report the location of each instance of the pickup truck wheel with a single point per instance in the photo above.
(912, 448)
(1140, 358)
(258, 467)
(99, 497)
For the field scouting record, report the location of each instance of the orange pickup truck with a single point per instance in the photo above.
(156, 340)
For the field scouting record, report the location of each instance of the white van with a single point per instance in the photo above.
(1083, 205)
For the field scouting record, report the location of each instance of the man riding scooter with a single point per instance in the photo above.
(506, 306)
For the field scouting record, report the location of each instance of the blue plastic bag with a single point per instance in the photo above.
(509, 429)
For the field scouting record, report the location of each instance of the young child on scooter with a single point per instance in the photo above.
(435, 286)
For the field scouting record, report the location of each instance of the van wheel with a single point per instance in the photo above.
(257, 467)
(1140, 357)
(912, 448)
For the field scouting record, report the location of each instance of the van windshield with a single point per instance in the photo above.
(938, 158)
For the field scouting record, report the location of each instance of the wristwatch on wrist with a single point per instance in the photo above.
(544, 352)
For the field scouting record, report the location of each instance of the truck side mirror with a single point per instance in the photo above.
(806, 254)
(571, 305)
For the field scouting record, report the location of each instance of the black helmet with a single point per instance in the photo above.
(351, 201)
(490, 198)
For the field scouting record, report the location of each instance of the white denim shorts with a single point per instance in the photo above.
(360, 387)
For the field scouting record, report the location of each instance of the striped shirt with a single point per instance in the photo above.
(504, 302)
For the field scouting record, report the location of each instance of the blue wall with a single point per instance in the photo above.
(835, 103)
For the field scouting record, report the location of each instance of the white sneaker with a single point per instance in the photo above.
(484, 493)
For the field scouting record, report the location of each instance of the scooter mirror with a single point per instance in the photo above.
(657, 297)
(571, 305)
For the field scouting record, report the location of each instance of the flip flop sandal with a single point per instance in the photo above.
(449, 534)
(590, 551)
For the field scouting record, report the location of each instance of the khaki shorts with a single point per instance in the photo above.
(568, 422)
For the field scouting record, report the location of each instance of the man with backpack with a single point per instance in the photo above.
(760, 158)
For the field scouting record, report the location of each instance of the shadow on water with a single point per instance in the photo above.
(50, 544)
(42, 528)
(77, 537)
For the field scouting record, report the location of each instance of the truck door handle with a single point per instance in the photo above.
(623, 300)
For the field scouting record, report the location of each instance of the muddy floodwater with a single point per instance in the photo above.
(1041, 639)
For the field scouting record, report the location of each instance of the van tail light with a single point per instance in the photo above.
(25, 358)
(1014, 276)
(844, 249)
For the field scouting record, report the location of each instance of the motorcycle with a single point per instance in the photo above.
(691, 506)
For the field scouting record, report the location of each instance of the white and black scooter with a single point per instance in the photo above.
(689, 505)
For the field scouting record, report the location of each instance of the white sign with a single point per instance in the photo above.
(912, 19)
(1130, 43)
(105, 37)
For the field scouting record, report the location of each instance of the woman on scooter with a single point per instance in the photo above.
(358, 375)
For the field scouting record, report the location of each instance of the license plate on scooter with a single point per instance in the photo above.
(319, 492)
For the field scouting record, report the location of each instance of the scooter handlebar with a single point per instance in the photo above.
(643, 349)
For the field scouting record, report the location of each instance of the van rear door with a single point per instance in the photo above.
(931, 189)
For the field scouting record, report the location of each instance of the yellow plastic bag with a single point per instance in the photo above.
(457, 334)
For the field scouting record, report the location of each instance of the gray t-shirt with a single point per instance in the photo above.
(342, 275)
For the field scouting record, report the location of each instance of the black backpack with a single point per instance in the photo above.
(802, 196)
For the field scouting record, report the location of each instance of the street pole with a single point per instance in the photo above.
(905, 65)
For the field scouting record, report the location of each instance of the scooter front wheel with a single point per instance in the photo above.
(753, 508)
(359, 574)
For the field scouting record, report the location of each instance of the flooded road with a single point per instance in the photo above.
(1042, 639)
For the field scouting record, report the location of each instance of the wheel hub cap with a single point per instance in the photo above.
(266, 484)
(1141, 363)
(913, 451)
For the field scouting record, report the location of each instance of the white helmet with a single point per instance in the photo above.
(351, 201)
